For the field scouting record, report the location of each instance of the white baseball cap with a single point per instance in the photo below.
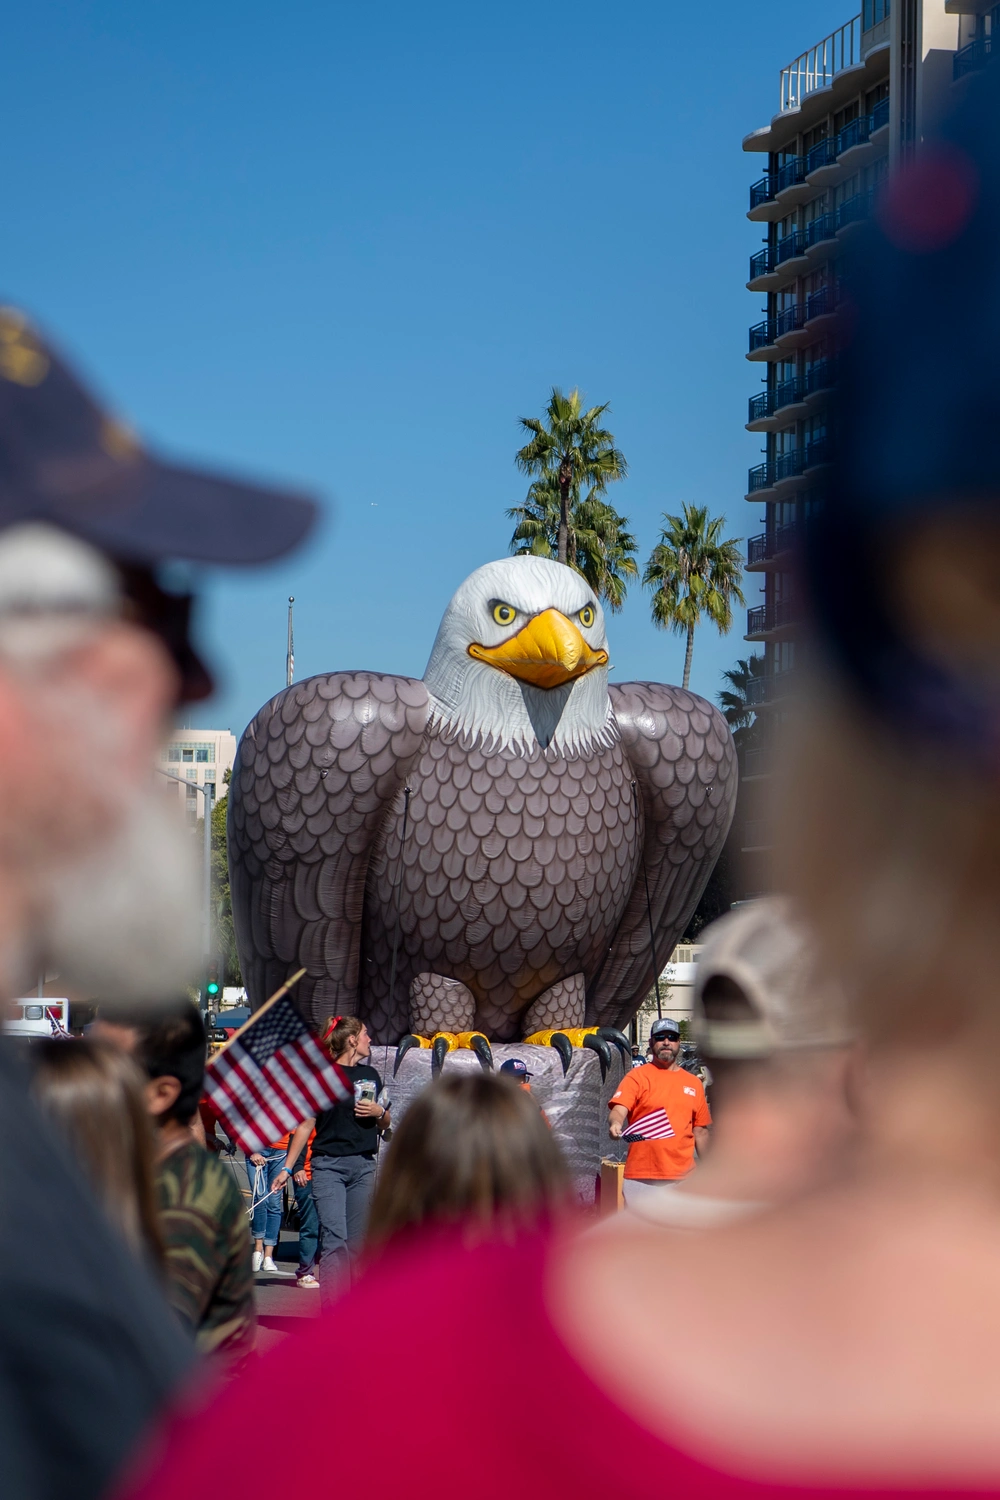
(764, 950)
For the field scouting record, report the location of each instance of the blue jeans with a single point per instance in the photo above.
(308, 1225)
(265, 1221)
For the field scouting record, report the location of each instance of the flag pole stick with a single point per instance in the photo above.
(278, 995)
(649, 907)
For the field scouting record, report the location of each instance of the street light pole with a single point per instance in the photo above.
(208, 793)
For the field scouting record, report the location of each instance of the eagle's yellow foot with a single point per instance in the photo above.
(599, 1039)
(443, 1042)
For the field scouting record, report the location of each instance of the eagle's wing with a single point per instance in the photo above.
(315, 774)
(684, 763)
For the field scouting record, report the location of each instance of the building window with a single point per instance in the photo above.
(209, 775)
(872, 12)
(187, 754)
(174, 753)
(191, 775)
(205, 754)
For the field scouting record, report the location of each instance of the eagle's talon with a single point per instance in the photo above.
(617, 1039)
(405, 1044)
(561, 1042)
(597, 1044)
(440, 1047)
(481, 1047)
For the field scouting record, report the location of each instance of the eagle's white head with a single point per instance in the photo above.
(521, 660)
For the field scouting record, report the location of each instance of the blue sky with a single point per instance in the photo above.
(348, 245)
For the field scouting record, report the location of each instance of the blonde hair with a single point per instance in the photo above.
(471, 1147)
(95, 1097)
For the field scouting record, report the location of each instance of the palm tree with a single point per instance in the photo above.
(737, 710)
(572, 450)
(598, 545)
(692, 573)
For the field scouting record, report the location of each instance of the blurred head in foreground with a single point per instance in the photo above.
(894, 834)
(777, 1040)
(472, 1148)
(167, 1041)
(95, 1097)
(95, 655)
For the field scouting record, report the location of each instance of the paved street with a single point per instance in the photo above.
(280, 1303)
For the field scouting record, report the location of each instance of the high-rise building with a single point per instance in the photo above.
(199, 758)
(849, 108)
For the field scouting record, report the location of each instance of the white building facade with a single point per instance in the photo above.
(200, 758)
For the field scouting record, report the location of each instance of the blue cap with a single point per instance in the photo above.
(515, 1067)
(66, 461)
(917, 415)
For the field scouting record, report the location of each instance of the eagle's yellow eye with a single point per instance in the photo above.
(504, 614)
(586, 615)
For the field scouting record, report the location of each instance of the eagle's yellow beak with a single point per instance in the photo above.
(547, 652)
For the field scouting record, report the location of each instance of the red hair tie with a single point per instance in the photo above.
(334, 1023)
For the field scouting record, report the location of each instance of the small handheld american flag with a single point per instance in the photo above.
(272, 1075)
(652, 1127)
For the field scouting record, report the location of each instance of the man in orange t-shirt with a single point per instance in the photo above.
(675, 1102)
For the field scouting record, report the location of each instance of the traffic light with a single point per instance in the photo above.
(212, 987)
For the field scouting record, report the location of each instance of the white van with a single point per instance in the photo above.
(37, 1018)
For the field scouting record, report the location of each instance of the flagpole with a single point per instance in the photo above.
(290, 652)
(279, 994)
(649, 908)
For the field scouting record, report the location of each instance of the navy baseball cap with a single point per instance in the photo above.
(665, 1026)
(66, 461)
(515, 1068)
(916, 419)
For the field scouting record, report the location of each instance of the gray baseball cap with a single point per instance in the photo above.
(763, 950)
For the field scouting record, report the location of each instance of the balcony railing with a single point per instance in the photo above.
(772, 183)
(768, 402)
(820, 65)
(787, 465)
(823, 227)
(772, 616)
(853, 210)
(826, 152)
(818, 377)
(789, 319)
(770, 688)
(772, 256)
(973, 57)
(771, 544)
(823, 302)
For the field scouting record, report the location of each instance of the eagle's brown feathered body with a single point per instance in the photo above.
(520, 868)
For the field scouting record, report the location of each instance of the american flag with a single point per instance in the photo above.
(272, 1076)
(652, 1127)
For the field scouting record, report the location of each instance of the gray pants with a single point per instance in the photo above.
(342, 1189)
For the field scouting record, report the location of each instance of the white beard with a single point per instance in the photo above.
(124, 922)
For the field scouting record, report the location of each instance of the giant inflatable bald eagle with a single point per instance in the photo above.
(519, 833)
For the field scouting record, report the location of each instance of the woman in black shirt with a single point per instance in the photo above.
(343, 1155)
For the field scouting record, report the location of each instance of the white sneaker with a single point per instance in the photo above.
(308, 1281)
(275, 1270)
(258, 1260)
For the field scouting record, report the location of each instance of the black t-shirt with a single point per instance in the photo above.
(339, 1132)
(90, 1353)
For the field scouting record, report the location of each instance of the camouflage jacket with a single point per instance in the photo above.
(204, 1226)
